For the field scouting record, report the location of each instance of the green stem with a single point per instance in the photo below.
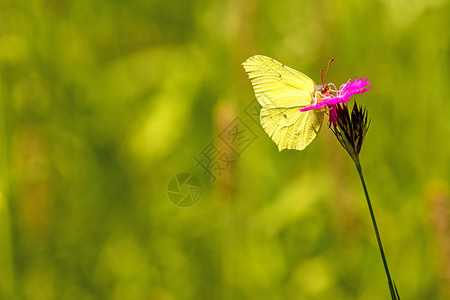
(375, 227)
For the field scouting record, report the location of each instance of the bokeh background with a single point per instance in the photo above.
(104, 102)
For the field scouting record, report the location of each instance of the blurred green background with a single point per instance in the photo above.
(104, 102)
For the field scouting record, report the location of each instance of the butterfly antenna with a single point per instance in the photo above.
(321, 75)
(328, 67)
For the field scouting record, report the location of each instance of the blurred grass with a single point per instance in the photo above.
(103, 102)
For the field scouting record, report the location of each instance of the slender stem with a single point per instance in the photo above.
(375, 227)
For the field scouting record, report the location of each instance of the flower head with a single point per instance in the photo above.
(344, 93)
(350, 128)
(349, 89)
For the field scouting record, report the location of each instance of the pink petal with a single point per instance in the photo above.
(346, 90)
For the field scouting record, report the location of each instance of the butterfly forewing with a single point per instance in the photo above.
(276, 84)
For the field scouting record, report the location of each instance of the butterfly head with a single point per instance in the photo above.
(320, 91)
(323, 90)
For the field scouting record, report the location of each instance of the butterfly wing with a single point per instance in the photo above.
(275, 83)
(290, 128)
(282, 91)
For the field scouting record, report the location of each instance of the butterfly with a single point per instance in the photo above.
(282, 92)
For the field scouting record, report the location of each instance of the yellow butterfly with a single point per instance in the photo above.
(282, 92)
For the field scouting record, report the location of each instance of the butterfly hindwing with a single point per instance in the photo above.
(290, 128)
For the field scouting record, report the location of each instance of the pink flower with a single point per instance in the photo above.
(344, 93)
